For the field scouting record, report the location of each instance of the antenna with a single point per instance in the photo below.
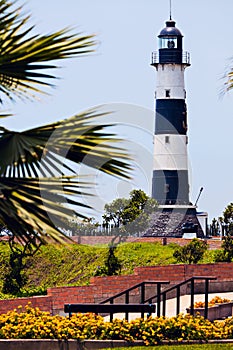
(170, 10)
(201, 189)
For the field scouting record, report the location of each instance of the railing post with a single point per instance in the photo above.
(127, 302)
(111, 313)
(164, 303)
(192, 297)
(142, 296)
(158, 298)
(206, 297)
(178, 300)
(150, 312)
(70, 314)
(142, 293)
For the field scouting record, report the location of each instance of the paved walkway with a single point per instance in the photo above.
(171, 305)
(185, 302)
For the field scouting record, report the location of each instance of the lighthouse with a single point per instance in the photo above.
(170, 179)
(170, 183)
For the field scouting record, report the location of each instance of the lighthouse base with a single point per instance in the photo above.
(174, 221)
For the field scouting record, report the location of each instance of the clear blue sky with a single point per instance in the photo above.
(120, 72)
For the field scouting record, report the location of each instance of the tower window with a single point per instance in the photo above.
(167, 139)
(184, 93)
(167, 93)
(166, 188)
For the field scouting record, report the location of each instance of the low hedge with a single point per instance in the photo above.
(31, 323)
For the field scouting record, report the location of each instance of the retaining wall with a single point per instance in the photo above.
(93, 240)
(104, 287)
(46, 344)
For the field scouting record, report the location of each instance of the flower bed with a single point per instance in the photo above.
(215, 301)
(218, 308)
(35, 324)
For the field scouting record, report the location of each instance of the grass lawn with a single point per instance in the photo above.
(74, 264)
(181, 347)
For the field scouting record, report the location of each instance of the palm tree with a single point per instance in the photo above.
(37, 177)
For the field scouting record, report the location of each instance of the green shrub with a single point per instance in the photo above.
(15, 277)
(226, 254)
(191, 253)
(112, 265)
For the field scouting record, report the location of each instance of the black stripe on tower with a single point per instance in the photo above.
(171, 55)
(171, 116)
(170, 186)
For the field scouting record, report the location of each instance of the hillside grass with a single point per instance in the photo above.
(75, 264)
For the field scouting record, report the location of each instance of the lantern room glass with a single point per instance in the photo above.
(168, 43)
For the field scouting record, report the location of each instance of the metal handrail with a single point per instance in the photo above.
(125, 292)
(177, 287)
(110, 308)
(185, 57)
(141, 284)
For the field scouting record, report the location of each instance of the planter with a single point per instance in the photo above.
(216, 312)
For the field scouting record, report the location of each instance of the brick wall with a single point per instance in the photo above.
(93, 240)
(43, 302)
(104, 287)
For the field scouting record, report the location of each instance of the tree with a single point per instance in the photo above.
(130, 215)
(227, 220)
(77, 227)
(226, 253)
(114, 212)
(36, 180)
(112, 265)
(15, 277)
(214, 227)
(191, 253)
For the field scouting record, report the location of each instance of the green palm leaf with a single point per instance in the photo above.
(23, 58)
(229, 83)
(32, 209)
(35, 193)
(43, 150)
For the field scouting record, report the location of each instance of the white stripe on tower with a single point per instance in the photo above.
(170, 152)
(170, 77)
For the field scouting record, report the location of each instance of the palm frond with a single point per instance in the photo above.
(32, 209)
(229, 82)
(24, 58)
(35, 194)
(42, 151)
(5, 115)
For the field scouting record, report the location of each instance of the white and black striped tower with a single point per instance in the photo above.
(170, 182)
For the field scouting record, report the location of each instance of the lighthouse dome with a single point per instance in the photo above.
(170, 29)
